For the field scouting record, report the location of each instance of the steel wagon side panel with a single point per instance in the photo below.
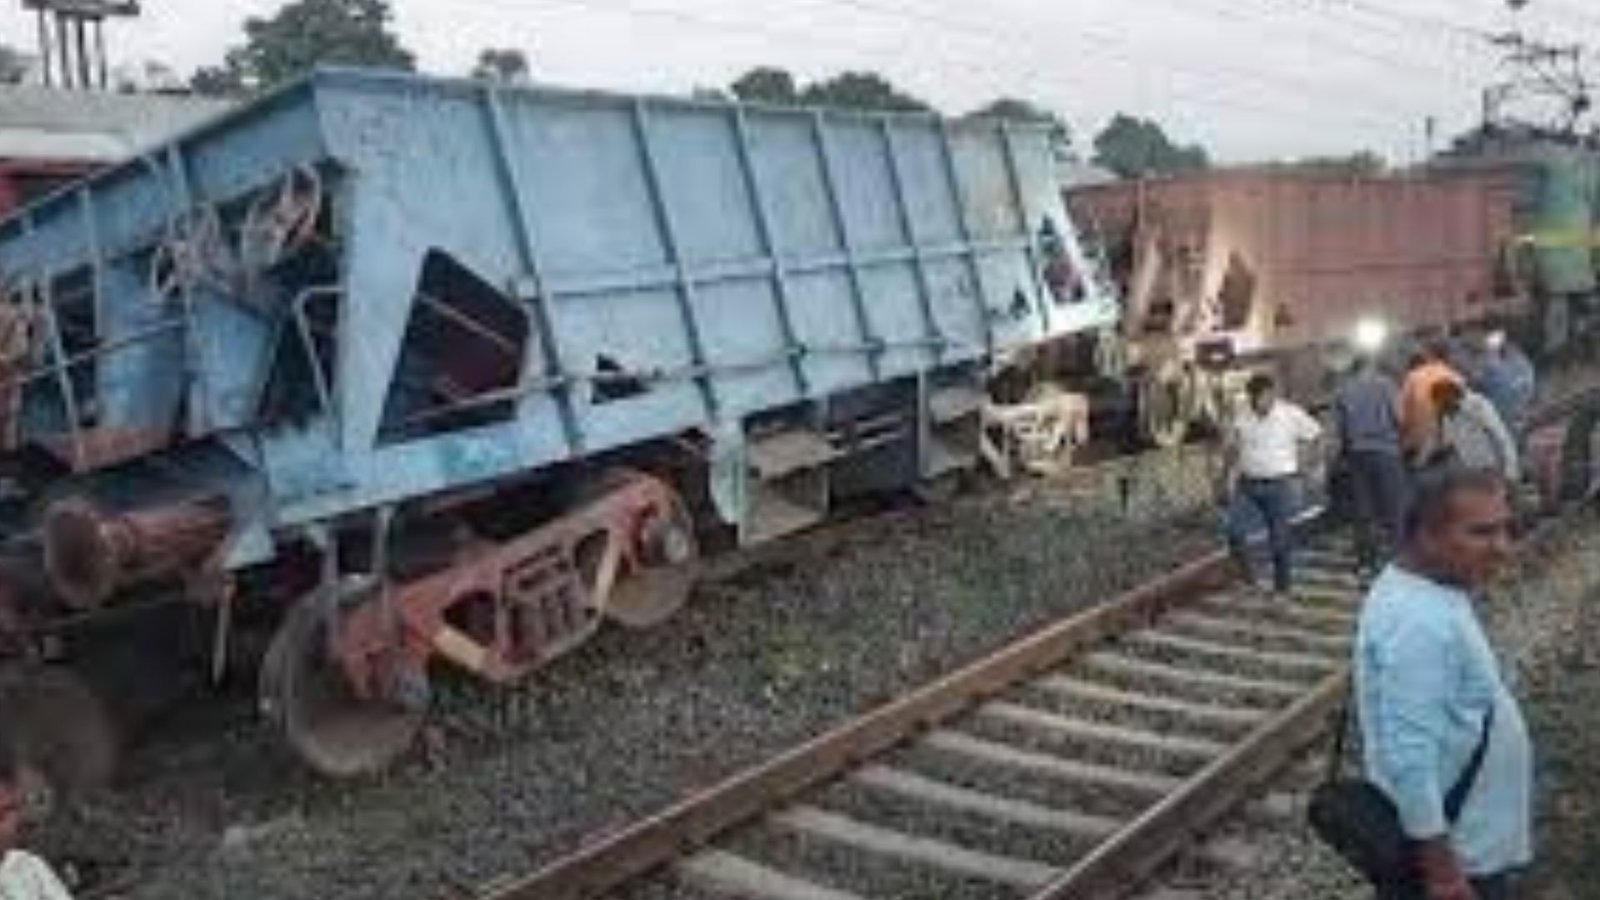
(107, 226)
(731, 260)
(737, 259)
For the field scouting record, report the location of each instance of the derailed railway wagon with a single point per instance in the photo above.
(416, 373)
(1273, 267)
(1229, 271)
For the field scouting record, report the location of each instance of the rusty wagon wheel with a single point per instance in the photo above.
(663, 577)
(65, 738)
(304, 691)
(665, 557)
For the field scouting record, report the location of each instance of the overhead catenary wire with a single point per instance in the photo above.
(1207, 96)
(1422, 62)
(1100, 40)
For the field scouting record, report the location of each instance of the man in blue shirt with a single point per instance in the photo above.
(1426, 682)
(1367, 415)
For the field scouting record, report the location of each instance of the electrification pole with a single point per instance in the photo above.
(72, 40)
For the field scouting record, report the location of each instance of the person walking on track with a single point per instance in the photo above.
(1367, 424)
(1442, 736)
(1262, 457)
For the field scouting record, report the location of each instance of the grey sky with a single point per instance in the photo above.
(1248, 78)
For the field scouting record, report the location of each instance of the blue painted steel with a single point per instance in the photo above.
(723, 261)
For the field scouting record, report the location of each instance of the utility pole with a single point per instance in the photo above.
(72, 39)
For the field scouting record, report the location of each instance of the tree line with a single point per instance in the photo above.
(306, 33)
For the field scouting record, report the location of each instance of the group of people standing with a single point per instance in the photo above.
(1430, 460)
(1454, 408)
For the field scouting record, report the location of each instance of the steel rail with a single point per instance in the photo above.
(1133, 854)
(698, 819)
(1114, 866)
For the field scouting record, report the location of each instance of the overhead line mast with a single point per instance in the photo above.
(72, 42)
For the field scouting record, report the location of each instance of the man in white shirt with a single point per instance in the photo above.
(1262, 453)
(23, 876)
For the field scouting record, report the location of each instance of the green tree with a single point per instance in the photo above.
(304, 35)
(509, 66)
(13, 65)
(860, 90)
(766, 85)
(1027, 111)
(216, 81)
(852, 90)
(1132, 147)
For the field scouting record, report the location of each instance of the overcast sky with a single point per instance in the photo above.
(1250, 79)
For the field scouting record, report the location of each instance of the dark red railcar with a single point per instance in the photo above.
(1228, 269)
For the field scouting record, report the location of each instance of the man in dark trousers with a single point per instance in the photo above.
(1367, 419)
(1436, 719)
(1263, 453)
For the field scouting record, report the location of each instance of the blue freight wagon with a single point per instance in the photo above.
(421, 370)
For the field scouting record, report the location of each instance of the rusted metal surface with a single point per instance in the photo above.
(1268, 260)
(502, 610)
(90, 553)
(22, 181)
(97, 448)
(1143, 845)
(699, 818)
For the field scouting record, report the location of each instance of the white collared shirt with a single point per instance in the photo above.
(1269, 445)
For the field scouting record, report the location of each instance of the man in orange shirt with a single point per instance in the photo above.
(1419, 414)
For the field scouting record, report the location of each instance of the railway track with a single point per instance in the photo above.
(1071, 763)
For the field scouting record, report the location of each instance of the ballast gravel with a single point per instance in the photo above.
(800, 638)
(1543, 626)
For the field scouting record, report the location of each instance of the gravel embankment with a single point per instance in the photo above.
(1543, 627)
(821, 628)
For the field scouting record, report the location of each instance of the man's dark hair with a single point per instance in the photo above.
(1259, 384)
(1435, 491)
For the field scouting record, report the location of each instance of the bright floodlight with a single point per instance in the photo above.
(1370, 335)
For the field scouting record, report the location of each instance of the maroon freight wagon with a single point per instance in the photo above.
(1228, 270)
